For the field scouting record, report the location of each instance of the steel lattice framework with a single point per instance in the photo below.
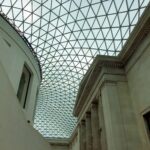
(66, 35)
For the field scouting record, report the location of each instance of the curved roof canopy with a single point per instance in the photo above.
(66, 35)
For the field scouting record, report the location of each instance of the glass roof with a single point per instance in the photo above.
(66, 35)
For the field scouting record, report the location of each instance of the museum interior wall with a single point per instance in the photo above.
(138, 76)
(14, 56)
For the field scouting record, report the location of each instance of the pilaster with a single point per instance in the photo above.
(95, 127)
(88, 131)
(113, 118)
(82, 130)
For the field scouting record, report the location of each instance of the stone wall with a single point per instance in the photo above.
(16, 133)
(14, 53)
(115, 96)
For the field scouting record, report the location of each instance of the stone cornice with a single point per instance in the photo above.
(94, 105)
(99, 63)
(74, 134)
(59, 141)
(139, 33)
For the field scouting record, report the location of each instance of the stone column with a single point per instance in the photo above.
(102, 124)
(88, 132)
(95, 127)
(113, 116)
(82, 131)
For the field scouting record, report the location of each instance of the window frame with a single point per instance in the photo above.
(23, 97)
(146, 117)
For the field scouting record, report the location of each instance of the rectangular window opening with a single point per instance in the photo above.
(147, 122)
(24, 86)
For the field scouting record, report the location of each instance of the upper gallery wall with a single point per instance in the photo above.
(66, 35)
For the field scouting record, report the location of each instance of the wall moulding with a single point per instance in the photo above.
(21, 41)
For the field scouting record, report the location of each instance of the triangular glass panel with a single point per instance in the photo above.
(101, 20)
(84, 3)
(66, 4)
(81, 36)
(25, 3)
(76, 27)
(81, 16)
(46, 16)
(124, 31)
(126, 21)
(64, 17)
(109, 34)
(5, 10)
(95, 8)
(16, 4)
(73, 6)
(90, 22)
(90, 13)
(94, 44)
(106, 23)
(54, 23)
(144, 3)
(102, 11)
(135, 5)
(116, 22)
(133, 16)
(111, 18)
(10, 14)
(63, 11)
(55, 4)
(86, 25)
(112, 9)
(122, 17)
(85, 10)
(123, 7)
(118, 4)
(53, 16)
(96, 24)
(103, 46)
(105, 32)
(57, 11)
(16, 13)
(90, 36)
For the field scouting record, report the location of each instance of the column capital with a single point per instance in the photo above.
(82, 122)
(95, 126)
(88, 131)
(94, 105)
(88, 114)
(82, 133)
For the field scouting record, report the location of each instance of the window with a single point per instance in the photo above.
(147, 121)
(24, 86)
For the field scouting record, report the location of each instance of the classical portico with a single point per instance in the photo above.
(106, 101)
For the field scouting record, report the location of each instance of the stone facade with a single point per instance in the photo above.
(114, 94)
